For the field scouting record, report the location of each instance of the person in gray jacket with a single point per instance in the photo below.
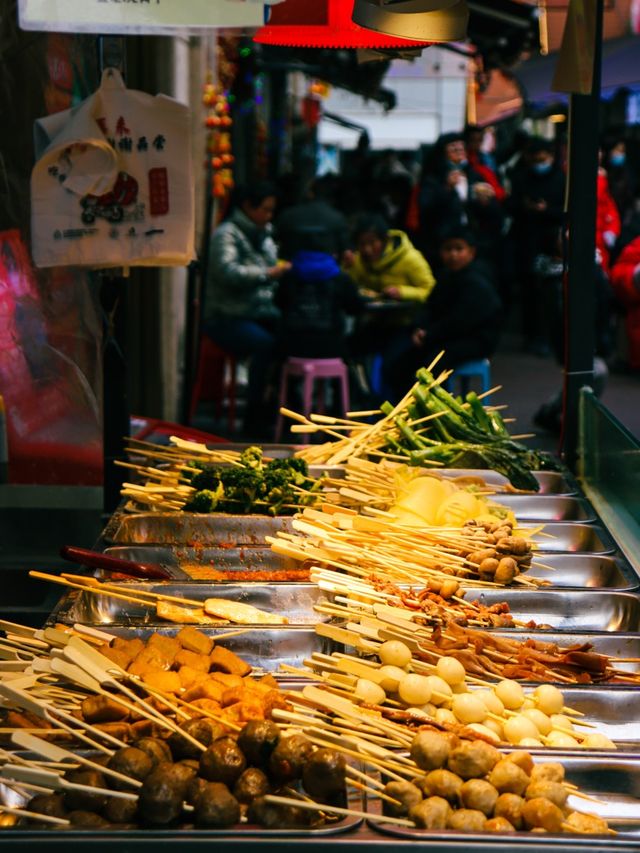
(240, 314)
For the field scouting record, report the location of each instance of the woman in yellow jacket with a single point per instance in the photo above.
(389, 270)
(387, 265)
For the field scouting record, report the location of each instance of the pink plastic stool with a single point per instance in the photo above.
(311, 369)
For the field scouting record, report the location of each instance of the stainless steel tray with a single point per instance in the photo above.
(185, 528)
(581, 571)
(295, 601)
(575, 538)
(615, 782)
(551, 482)
(585, 571)
(547, 507)
(565, 610)
(614, 712)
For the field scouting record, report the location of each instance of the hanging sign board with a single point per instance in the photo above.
(139, 17)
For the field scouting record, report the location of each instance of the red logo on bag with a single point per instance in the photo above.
(110, 205)
(158, 192)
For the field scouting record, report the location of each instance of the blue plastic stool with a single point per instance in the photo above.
(375, 379)
(480, 369)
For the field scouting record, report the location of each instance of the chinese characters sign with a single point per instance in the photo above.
(154, 17)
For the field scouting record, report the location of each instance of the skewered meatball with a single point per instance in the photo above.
(257, 740)
(273, 816)
(216, 806)
(549, 771)
(203, 730)
(430, 750)
(289, 757)
(540, 812)
(132, 762)
(161, 795)
(509, 806)
(478, 794)
(178, 774)
(157, 749)
(90, 820)
(473, 759)
(431, 814)
(120, 811)
(466, 820)
(507, 777)
(587, 823)
(498, 824)
(193, 789)
(522, 759)
(324, 773)
(408, 796)
(88, 801)
(441, 783)
(253, 783)
(48, 804)
(222, 762)
(553, 791)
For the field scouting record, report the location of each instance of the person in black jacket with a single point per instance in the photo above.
(313, 224)
(463, 316)
(314, 298)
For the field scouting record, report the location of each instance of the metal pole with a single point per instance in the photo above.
(579, 311)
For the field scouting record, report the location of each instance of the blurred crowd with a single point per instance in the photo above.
(395, 260)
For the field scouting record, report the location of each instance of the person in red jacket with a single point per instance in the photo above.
(608, 223)
(625, 280)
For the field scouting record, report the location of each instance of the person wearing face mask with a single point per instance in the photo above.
(536, 206)
(239, 311)
(623, 184)
(452, 195)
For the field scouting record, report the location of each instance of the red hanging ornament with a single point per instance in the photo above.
(325, 23)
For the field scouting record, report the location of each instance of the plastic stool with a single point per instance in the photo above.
(480, 368)
(211, 380)
(375, 379)
(311, 369)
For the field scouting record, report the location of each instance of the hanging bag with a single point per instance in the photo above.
(114, 188)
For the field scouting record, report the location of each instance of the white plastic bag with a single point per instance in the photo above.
(114, 188)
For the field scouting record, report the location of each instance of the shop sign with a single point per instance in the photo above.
(153, 17)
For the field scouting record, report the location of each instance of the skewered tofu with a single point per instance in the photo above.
(245, 614)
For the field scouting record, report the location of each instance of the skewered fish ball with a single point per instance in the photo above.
(370, 692)
(441, 783)
(548, 699)
(47, 804)
(555, 792)
(430, 750)
(549, 771)
(216, 806)
(540, 812)
(587, 824)
(519, 727)
(203, 730)
(131, 762)
(223, 762)
(414, 689)
(506, 571)
(324, 774)
(492, 703)
(451, 670)
(498, 824)
(468, 708)
(160, 799)
(540, 720)
(507, 777)
(479, 794)
(193, 789)
(440, 689)
(408, 795)
(473, 759)
(156, 748)
(257, 740)
(289, 757)
(253, 783)
(558, 739)
(466, 820)
(89, 801)
(510, 693)
(486, 732)
(431, 814)
(523, 760)
(394, 653)
(598, 741)
(509, 806)
(392, 676)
